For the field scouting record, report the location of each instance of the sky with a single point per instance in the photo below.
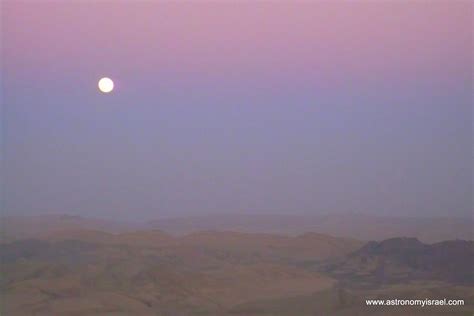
(228, 106)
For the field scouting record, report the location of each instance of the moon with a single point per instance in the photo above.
(106, 85)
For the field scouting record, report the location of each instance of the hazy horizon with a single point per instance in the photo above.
(228, 108)
(243, 214)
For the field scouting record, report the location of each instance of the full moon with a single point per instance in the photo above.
(106, 85)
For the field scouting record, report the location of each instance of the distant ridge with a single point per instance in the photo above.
(20, 227)
(350, 225)
(345, 225)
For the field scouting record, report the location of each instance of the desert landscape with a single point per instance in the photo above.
(72, 268)
(236, 158)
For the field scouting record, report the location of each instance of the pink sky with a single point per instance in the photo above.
(230, 106)
(358, 40)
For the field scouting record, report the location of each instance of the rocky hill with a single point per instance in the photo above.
(408, 259)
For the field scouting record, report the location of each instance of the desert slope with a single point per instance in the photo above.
(151, 273)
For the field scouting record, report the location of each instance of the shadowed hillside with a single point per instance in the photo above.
(407, 259)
